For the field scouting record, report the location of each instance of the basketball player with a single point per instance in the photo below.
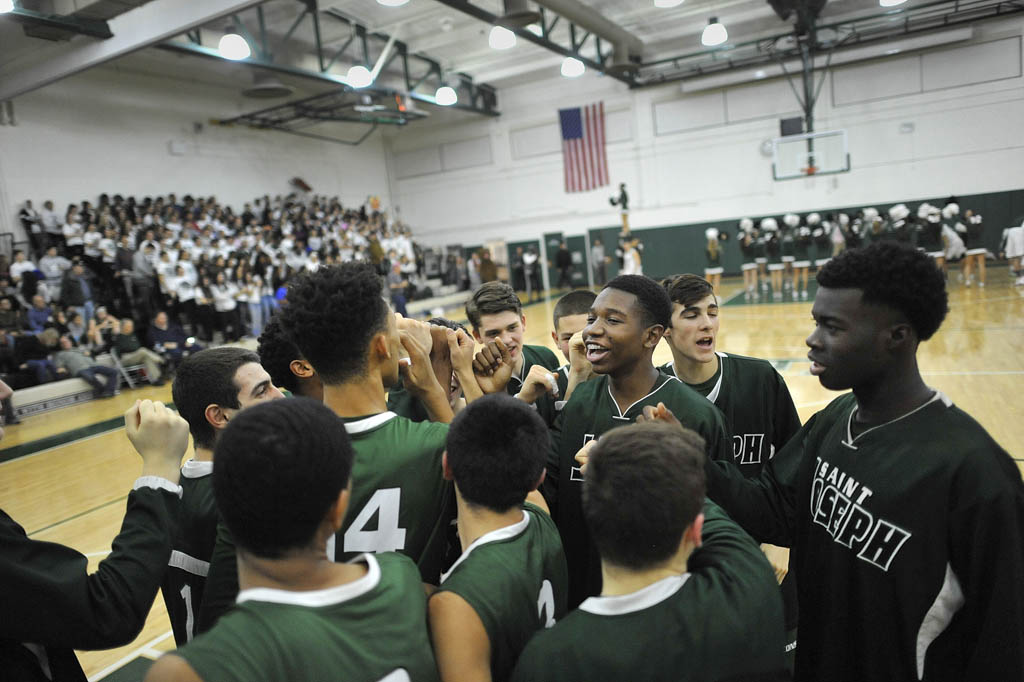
(758, 410)
(209, 390)
(625, 324)
(686, 594)
(570, 317)
(285, 364)
(496, 313)
(906, 519)
(400, 501)
(510, 580)
(52, 605)
(283, 488)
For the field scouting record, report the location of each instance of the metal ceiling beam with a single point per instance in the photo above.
(544, 40)
(141, 27)
(78, 26)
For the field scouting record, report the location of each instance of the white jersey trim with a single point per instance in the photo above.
(505, 533)
(196, 469)
(713, 395)
(622, 413)
(370, 423)
(645, 598)
(189, 564)
(947, 602)
(849, 442)
(317, 598)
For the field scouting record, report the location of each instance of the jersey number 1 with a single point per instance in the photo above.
(190, 619)
(546, 604)
(388, 537)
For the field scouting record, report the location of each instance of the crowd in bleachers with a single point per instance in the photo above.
(152, 280)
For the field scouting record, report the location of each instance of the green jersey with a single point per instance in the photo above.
(907, 543)
(722, 619)
(755, 403)
(516, 581)
(590, 412)
(372, 629)
(545, 357)
(193, 540)
(399, 502)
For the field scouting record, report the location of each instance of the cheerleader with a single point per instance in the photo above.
(872, 227)
(802, 253)
(821, 235)
(851, 230)
(791, 221)
(1013, 248)
(900, 227)
(761, 254)
(929, 230)
(746, 235)
(973, 233)
(773, 249)
(713, 251)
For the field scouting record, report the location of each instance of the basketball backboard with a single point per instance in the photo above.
(801, 156)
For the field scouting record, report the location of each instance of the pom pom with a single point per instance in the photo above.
(870, 213)
(746, 224)
(899, 212)
(844, 219)
(769, 224)
(711, 233)
(813, 218)
(924, 210)
(791, 219)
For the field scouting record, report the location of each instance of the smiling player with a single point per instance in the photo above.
(625, 324)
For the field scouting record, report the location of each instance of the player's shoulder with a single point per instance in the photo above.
(586, 392)
(749, 366)
(391, 425)
(681, 399)
(541, 355)
(397, 567)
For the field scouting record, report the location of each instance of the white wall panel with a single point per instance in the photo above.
(618, 125)
(535, 141)
(876, 80)
(994, 60)
(689, 113)
(774, 99)
(466, 154)
(418, 162)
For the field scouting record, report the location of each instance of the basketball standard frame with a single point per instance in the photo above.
(810, 170)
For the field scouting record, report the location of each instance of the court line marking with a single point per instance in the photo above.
(95, 554)
(129, 658)
(79, 514)
(59, 445)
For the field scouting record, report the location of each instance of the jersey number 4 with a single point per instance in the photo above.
(388, 537)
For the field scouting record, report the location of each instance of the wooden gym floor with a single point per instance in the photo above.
(74, 493)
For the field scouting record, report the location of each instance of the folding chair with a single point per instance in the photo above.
(121, 370)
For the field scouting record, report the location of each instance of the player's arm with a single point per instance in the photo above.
(172, 668)
(461, 644)
(539, 381)
(787, 421)
(420, 380)
(986, 540)
(48, 595)
(221, 582)
(460, 349)
(580, 369)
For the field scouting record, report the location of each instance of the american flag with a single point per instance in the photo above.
(583, 155)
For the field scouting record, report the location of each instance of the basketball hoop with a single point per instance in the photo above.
(809, 170)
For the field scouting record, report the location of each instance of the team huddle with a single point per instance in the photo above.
(441, 503)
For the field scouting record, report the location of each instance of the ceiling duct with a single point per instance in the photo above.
(517, 14)
(266, 86)
(627, 45)
(621, 64)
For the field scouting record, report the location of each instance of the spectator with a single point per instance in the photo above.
(54, 266)
(226, 304)
(21, 265)
(143, 279)
(40, 315)
(31, 223)
(397, 284)
(488, 269)
(102, 328)
(169, 340)
(76, 329)
(75, 363)
(598, 261)
(132, 352)
(563, 261)
(76, 291)
(11, 319)
(51, 226)
(32, 353)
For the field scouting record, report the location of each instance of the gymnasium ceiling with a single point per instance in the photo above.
(453, 41)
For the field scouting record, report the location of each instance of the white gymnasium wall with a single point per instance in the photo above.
(110, 130)
(695, 157)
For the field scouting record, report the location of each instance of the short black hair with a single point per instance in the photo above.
(208, 378)
(276, 351)
(576, 302)
(332, 314)
(280, 467)
(894, 275)
(490, 299)
(497, 449)
(644, 485)
(687, 289)
(653, 301)
(445, 322)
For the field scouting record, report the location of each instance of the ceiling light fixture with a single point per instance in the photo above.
(890, 3)
(358, 77)
(6, 6)
(714, 33)
(572, 67)
(392, 3)
(446, 96)
(233, 46)
(536, 30)
(665, 4)
(501, 38)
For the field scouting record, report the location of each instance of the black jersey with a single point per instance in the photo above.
(930, 237)
(721, 620)
(194, 537)
(590, 412)
(908, 544)
(545, 357)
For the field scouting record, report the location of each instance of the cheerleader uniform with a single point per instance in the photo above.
(802, 247)
(973, 235)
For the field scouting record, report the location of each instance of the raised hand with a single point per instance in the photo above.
(583, 455)
(493, 367)
(440, 355)
(659, 414)
(160, 437)
(539, 380)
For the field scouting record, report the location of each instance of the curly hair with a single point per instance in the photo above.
(332, 314)
(276, 351)
(653, 301)
(894, 275)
